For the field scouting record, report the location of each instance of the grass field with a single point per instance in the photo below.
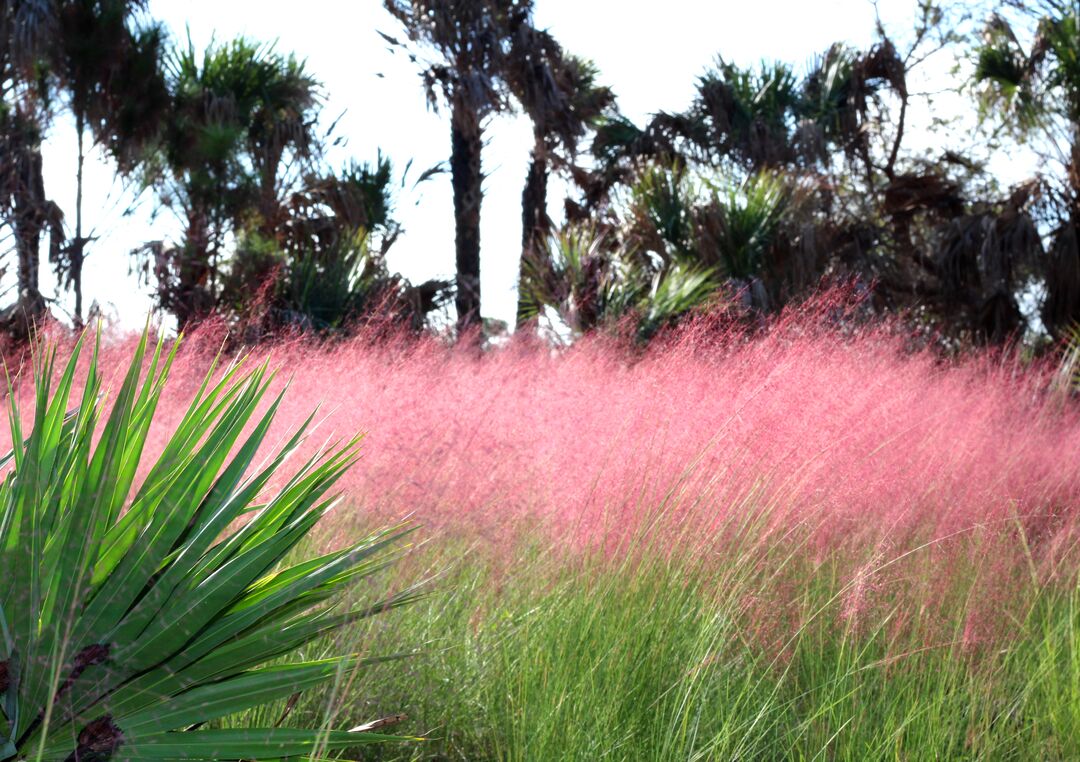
(554, 657)
(811, 545)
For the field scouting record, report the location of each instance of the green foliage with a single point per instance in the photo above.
(1003, 71)
(240, 155)
(696, 229)
(1061, 37)
(745, 221)
(337, 285)
(573, 276)
(143, 600)
(362, 193)
(589, 285)
(331, 207)
(1036, 84)
(771, 118)
(236, 108)
(674, 291)
(615, 136)
(662, 209)
(651, 656)
(751, 112)
(826, 91)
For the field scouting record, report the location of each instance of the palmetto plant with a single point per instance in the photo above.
(1067, 378)
(348, 279)
(131, 613)
(239, 127)
(742, 222)
(571, 277)
(1035, 89)
(588, 284)
(674, 291)
(661, 211)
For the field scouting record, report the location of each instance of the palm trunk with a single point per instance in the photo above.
(466, 177)
(535, 224)
(269, 207)
(1061, 276)
(78, 245)
(30, 221)
(189, 300)
(27, 240)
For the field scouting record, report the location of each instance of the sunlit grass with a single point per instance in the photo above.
(749, 652)
(811, 545)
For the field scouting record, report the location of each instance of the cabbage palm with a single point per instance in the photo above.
(105, 66)
(236, 112)
(561, 97)
(1036, 89)
(747, 114)
(108, 65)
(28, 28)
(469, 41)
(136, 610)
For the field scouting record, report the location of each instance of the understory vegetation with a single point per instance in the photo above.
(560, 657)
(818, 542)
(780, 461)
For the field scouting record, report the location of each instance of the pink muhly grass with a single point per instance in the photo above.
(906, 470)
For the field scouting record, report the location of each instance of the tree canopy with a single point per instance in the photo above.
(775, 179)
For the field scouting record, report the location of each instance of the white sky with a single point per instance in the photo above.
(650, 53)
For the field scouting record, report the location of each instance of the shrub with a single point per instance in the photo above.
(136, 609)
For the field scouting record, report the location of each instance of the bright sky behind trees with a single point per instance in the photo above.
(650, 53)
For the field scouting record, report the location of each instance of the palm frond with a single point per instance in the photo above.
(131, 614)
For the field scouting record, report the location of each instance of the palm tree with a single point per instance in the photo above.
(746, 115)
(470, 41)
(280, 138)
(1036, 89)
(109, 68)
(589, 283)
(106, 65)
(236, 112)
(560, 95)
(27, 29)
